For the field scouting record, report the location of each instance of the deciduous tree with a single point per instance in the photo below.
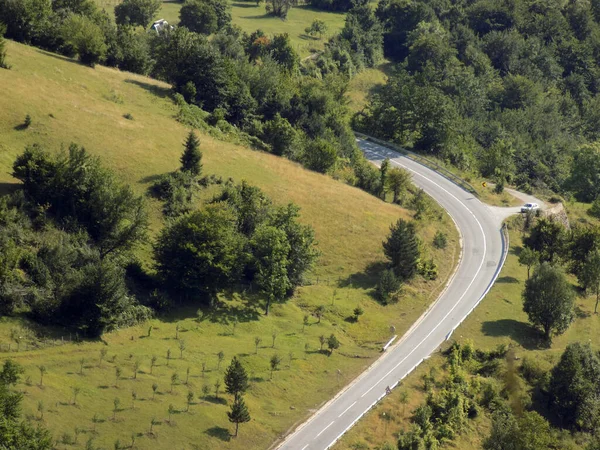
(136, 12)
(270, 250)
(548, 300)
(200, 253)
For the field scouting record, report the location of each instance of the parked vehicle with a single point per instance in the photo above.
(529, 207)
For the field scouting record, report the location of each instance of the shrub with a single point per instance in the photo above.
(594, 210)
(178, 190)
(533, 372)
(128, 116)
(428, 269)
(440, 240)
(387, 285)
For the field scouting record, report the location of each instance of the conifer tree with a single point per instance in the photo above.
(236, 378)
(191, 160)
(239, 413)
(402, 249)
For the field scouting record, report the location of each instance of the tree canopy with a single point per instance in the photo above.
(548, 300)
(402, 249)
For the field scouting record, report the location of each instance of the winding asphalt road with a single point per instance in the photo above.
(483, 252)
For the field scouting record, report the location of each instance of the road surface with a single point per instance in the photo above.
(482, 258)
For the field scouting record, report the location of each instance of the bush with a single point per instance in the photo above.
(128, 116)
(440, 240)
(428, 269)
(594, 210)
(178, 190)
(387, 285)
(533, 372)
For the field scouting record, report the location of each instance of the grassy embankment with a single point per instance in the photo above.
(68, 103)
(499, 319)
(250, 17)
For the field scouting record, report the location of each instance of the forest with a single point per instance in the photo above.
(504, 88)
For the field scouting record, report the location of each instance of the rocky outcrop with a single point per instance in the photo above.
(558, 213)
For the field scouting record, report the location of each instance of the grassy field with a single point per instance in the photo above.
(69, 102)
(250, 17)
(499, 319)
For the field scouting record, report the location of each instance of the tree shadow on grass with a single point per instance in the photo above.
(306, 37)
(226, 313)
(159, 91)
(366, 279)
(151, 178)
(60, 57)
(220, 433)
(516, 251)
(581, 314)
(216, 400)
(521, 332)
(509, 280)
(9, 188)
(244, 4)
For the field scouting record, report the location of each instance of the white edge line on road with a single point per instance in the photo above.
(465, 291)
(346, 410)
(487, 290)
(415, 324)
(378, 361)
(325, 429)
(368, 409)
(505, 244)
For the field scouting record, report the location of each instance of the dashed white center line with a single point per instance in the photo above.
(304, 447)
(324, 429)
(346, 410)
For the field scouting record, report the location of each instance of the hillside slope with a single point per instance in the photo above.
(68, 103)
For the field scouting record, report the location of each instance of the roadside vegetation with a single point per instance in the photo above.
(539, 392)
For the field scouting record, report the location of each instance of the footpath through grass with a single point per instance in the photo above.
(251, 17)
(69, 102)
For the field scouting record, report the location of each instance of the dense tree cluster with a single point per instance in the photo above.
(79, 28)
(359, 45)
(78, 192)
(508, 89)
(574, 389)
(65, 242)
(241, 236)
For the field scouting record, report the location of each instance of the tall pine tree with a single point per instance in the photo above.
(236, 378)
(191, 160)
(402, 249)
(239, 413)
